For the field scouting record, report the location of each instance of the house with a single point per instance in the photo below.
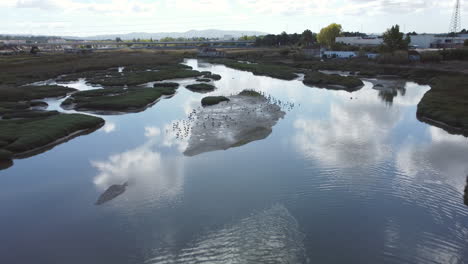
(210, 52)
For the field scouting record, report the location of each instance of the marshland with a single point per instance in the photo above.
(153, 157)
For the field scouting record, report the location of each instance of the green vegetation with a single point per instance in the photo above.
(307, 38)
(201, 87)
(212, 100)
(430, 56)
(5, 154)
(264, 69)
(446, 103)
(328, 34)
(250, 93)
(393, 40)
(140, 77)
(24, 69)
(455, 54)
(166, 84)
(396, 57)
(29, 114)
(29, 134)
(203, 80)
(210, 75)
(116, 99)
(26, 93)
(332, 81)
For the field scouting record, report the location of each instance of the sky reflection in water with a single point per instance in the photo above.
(341, 171)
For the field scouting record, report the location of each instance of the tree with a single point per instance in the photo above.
(117, 39)
(307, 37)
(328, 34)
(393, 39)
(284, 38)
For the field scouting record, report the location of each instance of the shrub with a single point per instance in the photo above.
(431, 56)
(398, 57)
(455, 54)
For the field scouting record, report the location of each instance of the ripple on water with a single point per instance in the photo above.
(269, 236)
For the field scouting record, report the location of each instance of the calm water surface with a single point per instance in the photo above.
(340, 178)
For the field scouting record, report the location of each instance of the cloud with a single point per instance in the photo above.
(152, 132)
(110, 7)
(341, 141)
(109, 127)
(150, 175)
(43, 4)
(445, 158)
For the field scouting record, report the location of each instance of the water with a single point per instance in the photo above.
(339, 178)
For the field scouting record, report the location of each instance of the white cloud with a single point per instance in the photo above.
(109, 127)
(342, 140)
(152, 131)
(111, 7)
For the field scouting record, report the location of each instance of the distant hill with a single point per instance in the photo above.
(209, 33)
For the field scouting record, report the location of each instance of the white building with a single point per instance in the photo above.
(339, 54)
(228, 37)
(426, 41)
(360, 41)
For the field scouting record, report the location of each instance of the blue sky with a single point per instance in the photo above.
(92, 17)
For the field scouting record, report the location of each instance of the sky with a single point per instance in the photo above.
(92, 17)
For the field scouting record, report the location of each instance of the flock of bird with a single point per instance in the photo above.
(215, 118)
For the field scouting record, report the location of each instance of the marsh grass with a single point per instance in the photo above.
(278, 71)
(117, 99)
(446, 102)
(26, 93)
(29, 114)
(166, 84)
(29, 134)
(141, 77)
(201, 87)
(203, 80)
(332, 81)
(250, 93)
(212, 100)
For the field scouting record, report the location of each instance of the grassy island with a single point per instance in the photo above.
(116, 99)
(23, 135)
(333, 81)
(201, 87)
(212, 100)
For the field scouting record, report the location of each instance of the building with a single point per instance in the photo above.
(339, 54)
(228, 37)
(360, 41)
(427, 41)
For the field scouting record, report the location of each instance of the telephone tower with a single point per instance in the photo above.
(455, 24)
